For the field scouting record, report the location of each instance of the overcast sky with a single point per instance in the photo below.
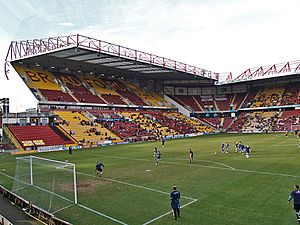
(218, 35)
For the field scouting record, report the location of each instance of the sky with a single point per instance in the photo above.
(219, 35)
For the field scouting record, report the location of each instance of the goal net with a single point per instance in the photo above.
(295, 127)
(46, 183)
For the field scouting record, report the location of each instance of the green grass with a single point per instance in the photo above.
(230, 189)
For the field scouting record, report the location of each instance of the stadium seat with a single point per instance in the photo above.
(83, 129)
(40, 136)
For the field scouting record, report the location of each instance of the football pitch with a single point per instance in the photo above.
(216, 189)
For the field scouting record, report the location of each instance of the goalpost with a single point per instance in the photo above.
(47, 183)
(295, 127)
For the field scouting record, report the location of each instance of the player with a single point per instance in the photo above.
(163, 141)
(248, 150)
(237, 147)
(191, 155)
(158, 158)
(175, 202)
(99, 168)
(241, 148)
(70, 150)
(295, 194)
(155, 152)
(227, 147)
(222, 147)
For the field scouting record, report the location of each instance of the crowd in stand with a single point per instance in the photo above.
(91, 129)
(291, 95)
(262, 100)
(140, 125)
(287, 120)
(256, 122)
(127, 130)
(279, 121)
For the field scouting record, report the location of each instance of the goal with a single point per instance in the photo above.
(295, 127)
(47, 183)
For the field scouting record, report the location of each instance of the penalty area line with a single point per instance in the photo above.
(167, 213)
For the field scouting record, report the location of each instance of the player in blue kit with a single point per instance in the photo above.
(163, 140)
(158, 158)
(227, 147)
(241, 148)
(222, 147)
(295, 194)
(155, 152)
(99, 168)
(175, 202)
(247, 149)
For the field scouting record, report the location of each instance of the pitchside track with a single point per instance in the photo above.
(216, 188)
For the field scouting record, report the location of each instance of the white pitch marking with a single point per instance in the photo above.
(80, 205)
(35, 173)
(268, 173)
(175, 163)
(18, 189)
(36, 187)
(193, 200)
(212, 167)
(218, 163)
(157, 218)
(101, 214)
(117, 181)
(52, 191)
(62, 209)
(134, 185)
(7, 163)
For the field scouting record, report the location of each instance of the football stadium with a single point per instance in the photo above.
(122, 136)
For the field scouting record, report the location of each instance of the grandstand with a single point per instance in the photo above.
(105, 93)
(92, 93)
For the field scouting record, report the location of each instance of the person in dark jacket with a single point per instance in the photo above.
(175, 202)
(295, 194)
